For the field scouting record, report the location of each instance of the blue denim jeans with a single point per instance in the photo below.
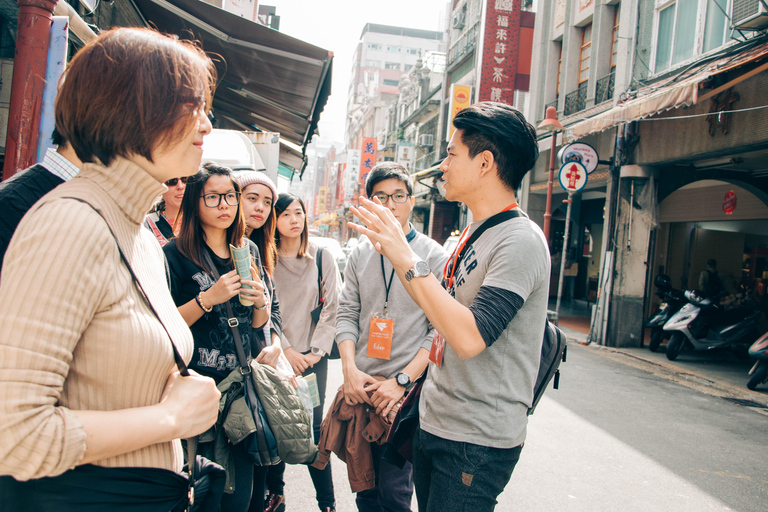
(459, 477)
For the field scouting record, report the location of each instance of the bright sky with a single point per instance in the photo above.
(336, 25)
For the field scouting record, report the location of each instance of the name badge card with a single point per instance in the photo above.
(380, 336)
(437, 349)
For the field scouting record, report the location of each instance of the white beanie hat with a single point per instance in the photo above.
(250, 177)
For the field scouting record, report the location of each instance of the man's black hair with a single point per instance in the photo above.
(385, 171)
(502, 130)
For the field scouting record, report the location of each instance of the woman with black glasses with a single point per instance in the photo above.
(164, 220)
(211, 221)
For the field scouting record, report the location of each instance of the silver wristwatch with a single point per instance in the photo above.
(419, 269)
(318, 352)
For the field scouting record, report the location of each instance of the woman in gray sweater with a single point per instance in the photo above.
(306, 343)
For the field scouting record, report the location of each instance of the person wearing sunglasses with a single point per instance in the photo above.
(211, 220)
(164, 221)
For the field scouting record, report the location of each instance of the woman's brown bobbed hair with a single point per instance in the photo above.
(132, 91)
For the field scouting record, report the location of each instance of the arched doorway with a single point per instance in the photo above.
(713, 219)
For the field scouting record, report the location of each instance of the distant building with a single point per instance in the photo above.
(383, 55)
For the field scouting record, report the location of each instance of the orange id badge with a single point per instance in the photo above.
(438, 347)
(380, 336)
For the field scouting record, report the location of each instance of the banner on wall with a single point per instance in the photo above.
(367, 158)
(461, 97)
(351, 176)
(322, 195)
(507, 50)
(405, 153)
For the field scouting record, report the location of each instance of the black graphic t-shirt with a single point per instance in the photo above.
(215, 355)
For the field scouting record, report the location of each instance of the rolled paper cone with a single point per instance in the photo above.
(242, 258)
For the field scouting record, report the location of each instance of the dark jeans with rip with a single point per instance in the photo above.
(322, 479)
(450, 476)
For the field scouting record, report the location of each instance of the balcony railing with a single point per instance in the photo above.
(576, 101)
(464, 44)
(552, 104)
(605, 88)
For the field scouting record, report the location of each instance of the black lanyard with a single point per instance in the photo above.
(387, 285)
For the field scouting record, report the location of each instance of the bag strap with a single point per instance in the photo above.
(492, 221)
(319, 263)
(245, 369)
(192, 441)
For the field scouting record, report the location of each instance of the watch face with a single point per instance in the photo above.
(402, 379)
(422, 268)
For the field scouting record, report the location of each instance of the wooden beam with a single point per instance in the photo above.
(728, 85)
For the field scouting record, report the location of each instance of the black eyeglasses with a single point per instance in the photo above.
(213, 200)
(399, 197)
(173, 181)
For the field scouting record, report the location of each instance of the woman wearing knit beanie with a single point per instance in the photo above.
(257, 201)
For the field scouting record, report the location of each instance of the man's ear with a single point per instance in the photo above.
(487, 162)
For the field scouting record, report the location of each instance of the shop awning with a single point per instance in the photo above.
(328, 219)
(269, 81)
(673, 92)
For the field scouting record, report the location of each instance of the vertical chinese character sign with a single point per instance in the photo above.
(322, 194)
(507, 49)
(367, 158)
(352, 175)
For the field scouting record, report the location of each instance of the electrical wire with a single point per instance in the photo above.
(719, 112)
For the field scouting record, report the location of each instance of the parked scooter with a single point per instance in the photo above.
(704, 325)
(759, 372)
(672, 301)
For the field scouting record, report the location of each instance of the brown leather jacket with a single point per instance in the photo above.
(347, 431)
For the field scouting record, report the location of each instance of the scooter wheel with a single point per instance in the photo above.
(675, 346)
(760, 376)
(657, 336)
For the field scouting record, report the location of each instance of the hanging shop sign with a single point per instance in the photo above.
(368, 158)
(461, 97)
(573, 176)
(729, 202)
(580, 152)
(507, 51)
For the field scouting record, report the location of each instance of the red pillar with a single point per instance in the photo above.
(32, 38)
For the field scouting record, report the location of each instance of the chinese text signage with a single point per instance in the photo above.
(367, 157)
(507, 49)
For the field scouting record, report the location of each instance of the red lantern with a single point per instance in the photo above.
(729, 202)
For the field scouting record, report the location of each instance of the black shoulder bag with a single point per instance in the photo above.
(321, 302)
(261, 445)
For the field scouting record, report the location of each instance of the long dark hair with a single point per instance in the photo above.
(284, 200)
(264, 238)
(191, 237)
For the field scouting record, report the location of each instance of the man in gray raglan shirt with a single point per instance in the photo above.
(489, 313)
(370, 286)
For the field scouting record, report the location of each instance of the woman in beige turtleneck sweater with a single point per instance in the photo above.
(87, 373)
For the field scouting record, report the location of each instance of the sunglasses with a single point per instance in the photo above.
(173, 181)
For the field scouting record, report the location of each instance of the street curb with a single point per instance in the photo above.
(695, 380)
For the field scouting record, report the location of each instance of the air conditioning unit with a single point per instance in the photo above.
(426, 140)
(459, 19)
(749, 15)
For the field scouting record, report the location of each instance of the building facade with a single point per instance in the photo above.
(667, 93)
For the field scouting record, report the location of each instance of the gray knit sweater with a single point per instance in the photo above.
(364, 293)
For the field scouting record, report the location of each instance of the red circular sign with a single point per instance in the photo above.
(729, 202)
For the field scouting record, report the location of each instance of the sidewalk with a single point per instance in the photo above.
(719, 373)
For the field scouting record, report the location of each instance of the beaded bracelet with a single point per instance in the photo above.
(200, 303)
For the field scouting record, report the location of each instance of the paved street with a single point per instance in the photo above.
(616, 437)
